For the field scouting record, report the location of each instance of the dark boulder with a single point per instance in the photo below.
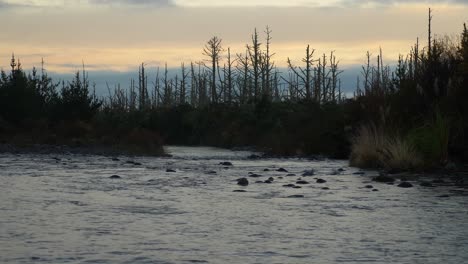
(271, 179)
(375, 190)
(325, 188)
(297, 187)
(405, 185)
(115, 177)
(302, 182)
(239, 191)
(254, 175)
(266, 170)
(359, 173)
(369, 187)
(243, 182)
(170, 170)
(226, 163)
(321, 181)
(282, 170)
(289, 185)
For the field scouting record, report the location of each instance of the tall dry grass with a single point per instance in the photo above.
(373, 147)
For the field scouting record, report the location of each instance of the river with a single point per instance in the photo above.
(66, 209)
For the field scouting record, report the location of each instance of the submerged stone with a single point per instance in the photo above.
(308, 173)
(289, 185)
(282, 170)
(369, 186)
(225, 163)
(239, 191)
(170, 170)
(426, 184)
(115, 177)
(296, 196)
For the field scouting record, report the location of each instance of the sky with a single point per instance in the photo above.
(115, 36)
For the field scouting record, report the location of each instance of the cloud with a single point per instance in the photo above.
(158, 3)
(8, 5)
(359, 3)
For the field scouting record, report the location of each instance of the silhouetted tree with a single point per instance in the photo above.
(213, 50)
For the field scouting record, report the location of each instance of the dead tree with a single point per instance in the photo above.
(213, 50)
(304, 74)
(255, 55)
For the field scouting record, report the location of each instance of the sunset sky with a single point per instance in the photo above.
(116, 36)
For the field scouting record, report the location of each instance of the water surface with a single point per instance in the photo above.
(66, 209)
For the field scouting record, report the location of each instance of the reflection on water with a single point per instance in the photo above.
(66, 209)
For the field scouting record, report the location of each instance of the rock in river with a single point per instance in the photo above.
(243, 182)
(405, 185)
(282, 170)
(170, 170)
(296, 196)
(302, 182)
(115, 177)
(321, 181)
(225, 163)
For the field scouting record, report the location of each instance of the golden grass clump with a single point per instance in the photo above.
(372, 147)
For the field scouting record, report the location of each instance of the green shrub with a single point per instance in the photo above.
(432, 140)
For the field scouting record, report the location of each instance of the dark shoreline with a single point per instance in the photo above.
(79, 150)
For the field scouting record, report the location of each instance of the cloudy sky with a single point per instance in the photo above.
(117, 35)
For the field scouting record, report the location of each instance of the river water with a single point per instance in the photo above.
(66, 209)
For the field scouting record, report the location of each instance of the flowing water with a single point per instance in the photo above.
(66, 209)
